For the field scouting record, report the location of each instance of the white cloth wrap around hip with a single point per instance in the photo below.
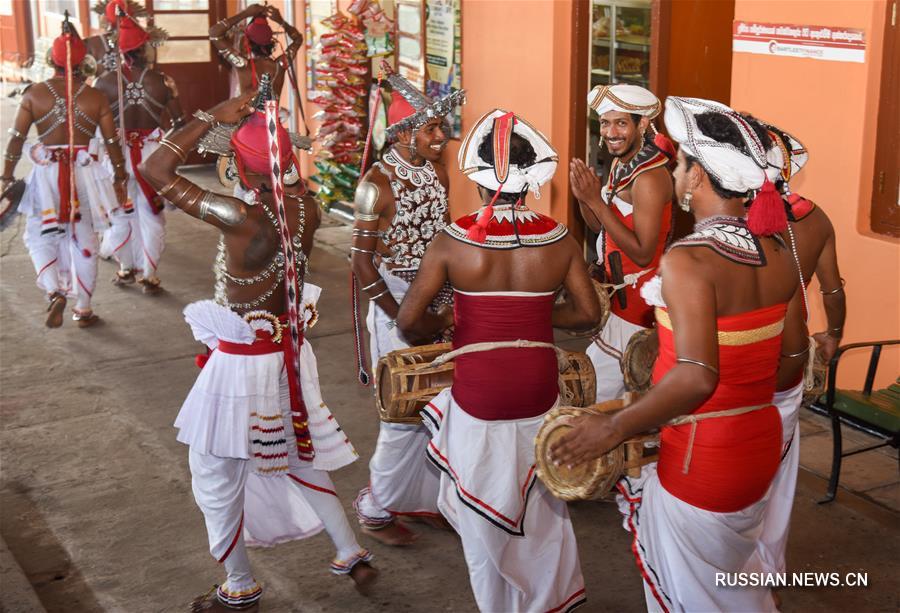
(215, 419)
(517, 538)
(93, 183)
(679, 548)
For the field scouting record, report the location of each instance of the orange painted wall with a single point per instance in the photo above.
(832, 108)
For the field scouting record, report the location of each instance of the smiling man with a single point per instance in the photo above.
(632, 213)
(401, 205)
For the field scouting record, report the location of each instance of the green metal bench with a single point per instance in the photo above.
(876, 412)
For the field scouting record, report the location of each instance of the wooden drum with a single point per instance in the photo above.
(638, 359)
(592, 480)
(405, 381)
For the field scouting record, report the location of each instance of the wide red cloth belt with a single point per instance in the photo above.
(501, 384)
(68, 193)
(265, 345)
(135, 139)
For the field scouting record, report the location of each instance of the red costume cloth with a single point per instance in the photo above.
(637, 311)
(135, 139)
(131, 35)
(513, 383)
(734, 458)
(259, 32)
(399, 109)
(263, 345)
(58, 51)
(67, 192)
(111, 10)
(251, 146)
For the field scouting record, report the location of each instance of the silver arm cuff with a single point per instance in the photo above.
(15, 133)
(222, 209)
(364, 201)
(233, 58)
(112, 140)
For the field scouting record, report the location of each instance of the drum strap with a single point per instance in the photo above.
(697, 417)
(561, 358)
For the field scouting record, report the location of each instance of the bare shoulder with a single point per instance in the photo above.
(684, 262)
(656, 183)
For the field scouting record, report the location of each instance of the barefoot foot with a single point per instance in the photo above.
(394, 534)
(364, 576)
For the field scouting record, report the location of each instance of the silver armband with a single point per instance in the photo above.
(364, 201)
(221, 209)
(233, 58)
(15, 133)
(112, 140)
(206, 117)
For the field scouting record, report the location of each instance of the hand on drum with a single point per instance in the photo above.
(591, 436)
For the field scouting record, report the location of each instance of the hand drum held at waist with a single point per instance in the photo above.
(591, 480)
(406, 380)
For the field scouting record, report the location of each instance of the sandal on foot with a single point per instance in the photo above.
(85, 320)
(151, 286)
(55, 311)
(123, 278)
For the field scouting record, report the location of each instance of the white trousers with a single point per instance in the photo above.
(605, 354)
(65, 263)
(219, 486)
(401, 480)
(769, 555)
(137, 239)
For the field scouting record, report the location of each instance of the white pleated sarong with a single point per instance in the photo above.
(401, 480)
(137, 239)
(679, 548)
(517, 538)
(603, 354)
(769, 555)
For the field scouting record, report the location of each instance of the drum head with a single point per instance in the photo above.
(588, 481)
(638, 360)
(603, 298)
(226, 171)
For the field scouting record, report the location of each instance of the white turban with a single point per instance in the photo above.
(483, 173)
(734, 169)
(625, 99)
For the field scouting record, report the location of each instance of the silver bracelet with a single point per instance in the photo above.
(373, 284)
(835, 290)
(796, 355)
(698, 363)
(385, 292)
(358, 250)
(206, 118)
(112, 140)
(15, 133)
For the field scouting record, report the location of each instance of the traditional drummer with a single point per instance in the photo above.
(401, 204)
(632, 212)
(506, 262)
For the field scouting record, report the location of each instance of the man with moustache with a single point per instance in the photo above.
(632, 213)
(401, 205)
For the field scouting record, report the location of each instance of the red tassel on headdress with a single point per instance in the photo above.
(478, 231)
(664, 144)
(767, 215)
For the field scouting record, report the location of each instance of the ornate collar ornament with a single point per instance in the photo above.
(621, 175)
(736, 169)
(414, 109)
(508, 227)
(501, 175)
(417, 175)
(729, 237)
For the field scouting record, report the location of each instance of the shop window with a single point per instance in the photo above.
(885, 210)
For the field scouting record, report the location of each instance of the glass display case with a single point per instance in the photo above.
(619, 53)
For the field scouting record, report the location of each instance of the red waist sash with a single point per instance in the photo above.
(264, 345)
(503, 384)
(68, 193)
(733, 458)
(135, 139)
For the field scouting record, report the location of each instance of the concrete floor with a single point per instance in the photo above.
(95, 499)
